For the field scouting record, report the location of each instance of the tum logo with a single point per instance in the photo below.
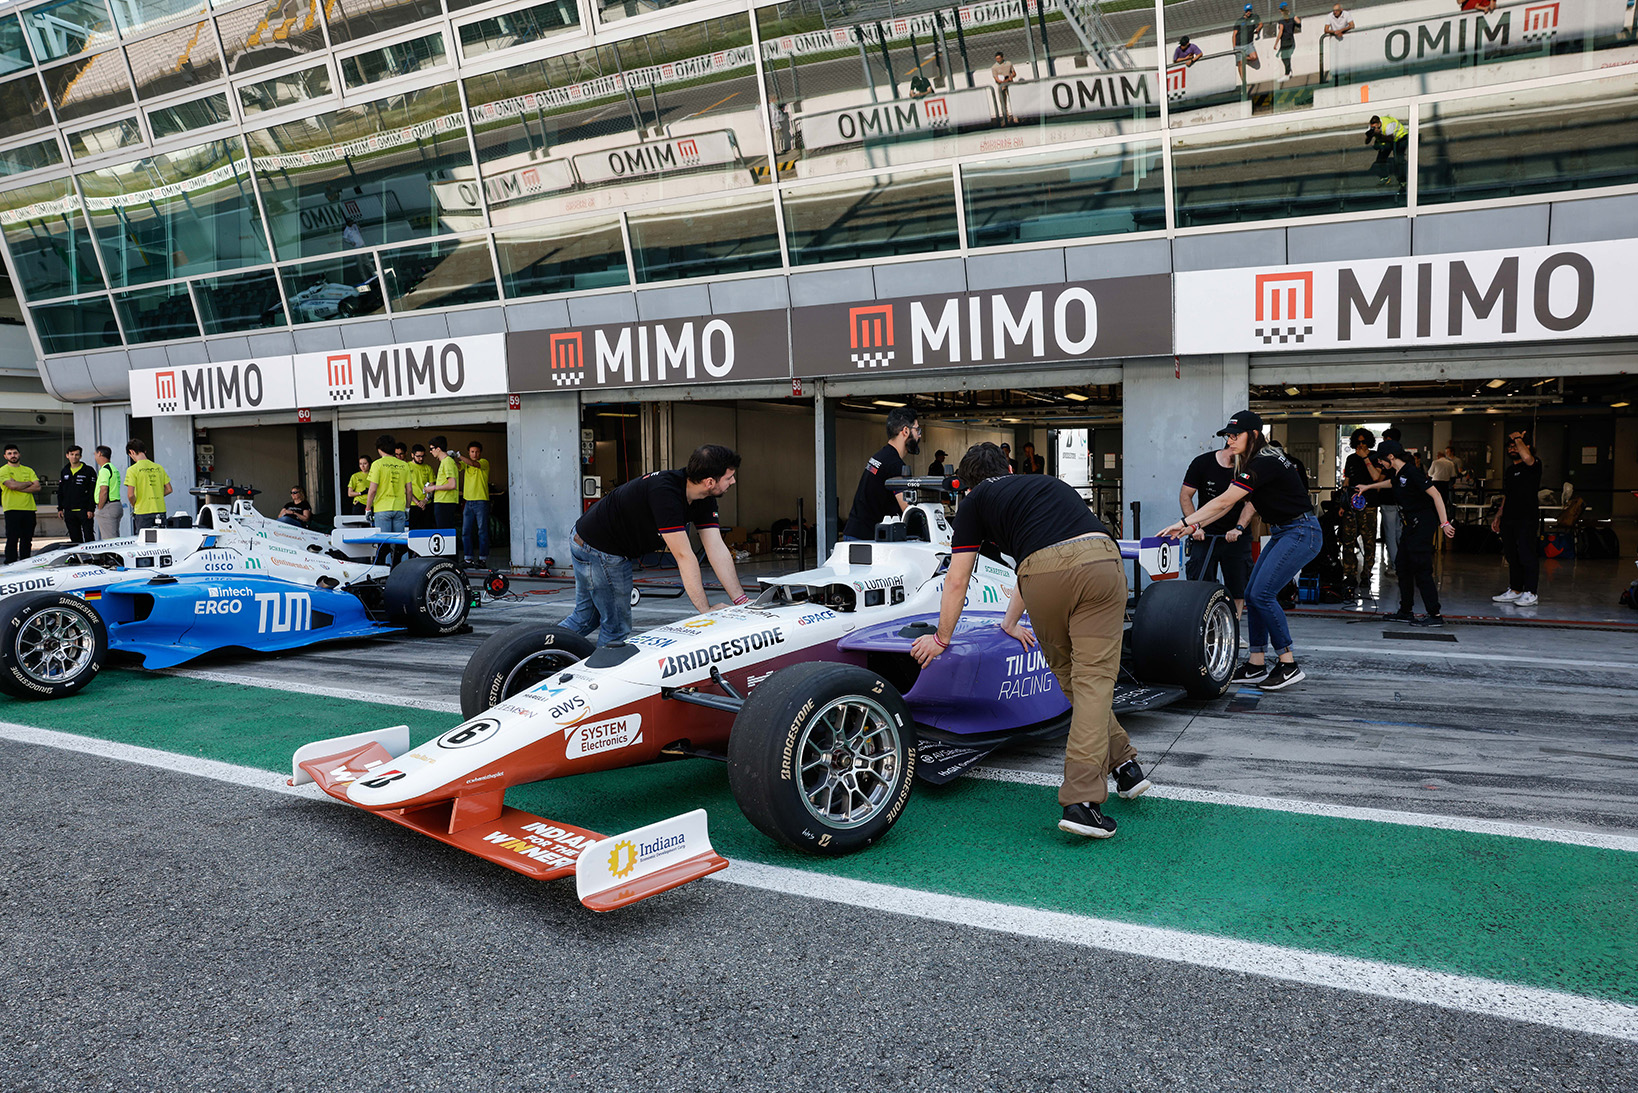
(339, 367)
(283, 612)
(165, 391)
(568, 359)
(1540, 21)
(871, 328)
(1285, 297)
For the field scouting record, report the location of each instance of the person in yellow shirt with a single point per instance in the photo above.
(475, 498)
(444, 491)
(358, 486)
(18, 485)
(420, 476)
(146, 486)
(388, 500)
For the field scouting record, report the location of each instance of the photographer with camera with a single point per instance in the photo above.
(1518, 518)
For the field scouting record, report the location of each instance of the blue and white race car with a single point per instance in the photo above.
(229, 578)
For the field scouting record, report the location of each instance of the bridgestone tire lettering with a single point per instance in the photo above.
(15, 612)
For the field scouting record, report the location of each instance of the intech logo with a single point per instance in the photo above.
(165, 391)
(568, 357)
(1285, 297)
(870, 335)
(339, 377)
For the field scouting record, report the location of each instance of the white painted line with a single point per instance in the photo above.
(1597, 840)
(1434, 651)
(437, 705)
(1397, 981)
(1408, 984)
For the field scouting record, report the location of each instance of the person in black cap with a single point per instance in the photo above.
(938, 466)
(1419, 500)
(1270, 480)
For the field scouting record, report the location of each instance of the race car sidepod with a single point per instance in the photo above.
(610, 871)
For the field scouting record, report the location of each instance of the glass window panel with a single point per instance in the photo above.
(51, 250)
(30, 157)
(515, 28)
(183, 117)
(76, 327)
(443, 274)
(562, 257)
(1570, 137)
(876, 216)
(13, 50)
(285, 90)
(175, 213)
(67, 27)
(22, 106)
(81, 88)
(134, 16)
(1065, 195)
(351, 20)
(101, 139)
(703, 240)
(1301, 168)
(159, 314)
(384, 172)
(183, 58)
(266, 34)
(611, 11)
(241, 302)
(335, 288)
(390, 62)
(564, 135)
(921, 85)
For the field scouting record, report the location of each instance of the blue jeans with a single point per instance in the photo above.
(1390, 533)
(390, 521)
(1291, 547)
(475, 531)
(602, 594)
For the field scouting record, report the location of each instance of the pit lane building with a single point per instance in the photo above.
(592, 236)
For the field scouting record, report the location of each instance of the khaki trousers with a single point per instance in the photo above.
(1076, 596)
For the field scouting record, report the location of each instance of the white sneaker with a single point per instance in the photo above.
(1526, 599)
(1506, 597)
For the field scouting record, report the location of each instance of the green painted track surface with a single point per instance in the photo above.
(1535, 913)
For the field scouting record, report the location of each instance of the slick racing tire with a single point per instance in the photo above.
(515, 659)
(51, 645)
(822, 757)
(428, 597)
(1185, 633)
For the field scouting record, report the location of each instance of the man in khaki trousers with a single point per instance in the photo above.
(1071, 581)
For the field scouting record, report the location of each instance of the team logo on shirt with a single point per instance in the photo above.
(870, 335)
(1285, 298)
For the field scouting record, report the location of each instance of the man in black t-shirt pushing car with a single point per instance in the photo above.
(1071, 580)
(635, 519)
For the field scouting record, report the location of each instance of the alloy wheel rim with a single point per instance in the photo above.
(55, 645)
(1222, 646)
(848, 762)
(445, 595)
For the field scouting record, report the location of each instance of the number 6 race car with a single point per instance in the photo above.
(809, 695)
(230, 578)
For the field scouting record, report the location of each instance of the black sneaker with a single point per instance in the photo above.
(1129, 780)
(1250, 673)
(1429, 620)
(1283, 675)
(1400, 616)
(1086, 819)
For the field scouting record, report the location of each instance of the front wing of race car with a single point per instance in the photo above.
(610, 871)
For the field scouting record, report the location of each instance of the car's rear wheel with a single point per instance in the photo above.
(515, 659)
(51, 645)
(427, 596)
(822, 757)
(1185, 633)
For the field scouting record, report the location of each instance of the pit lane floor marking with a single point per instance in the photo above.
(1509, 658)
(1596, 839)
(1399, 982)
(437, 705)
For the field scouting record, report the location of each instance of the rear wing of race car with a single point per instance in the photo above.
(610, 871)
(1161, 559)
(421, 542)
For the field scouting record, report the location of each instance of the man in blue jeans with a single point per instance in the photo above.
(637, 518)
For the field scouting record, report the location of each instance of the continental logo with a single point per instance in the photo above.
(717, 652)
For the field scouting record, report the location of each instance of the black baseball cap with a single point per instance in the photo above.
(1241, 422)
(1391, 447)
(939, 455)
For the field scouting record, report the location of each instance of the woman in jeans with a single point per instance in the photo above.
(1270, 480)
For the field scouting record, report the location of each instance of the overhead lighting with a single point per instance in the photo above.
(1493, 384)
(1618, 405)
(606, 414)
(1013, 420)
(885, 402)
(1293, 391)
(1076, 396)
(1458, 409)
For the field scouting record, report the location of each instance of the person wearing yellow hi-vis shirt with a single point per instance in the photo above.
(146, 485)
(18, 485)
(388, 499)
(358, 486)
(420, 476)
(444, 491)
(475, 497)
(110, 494)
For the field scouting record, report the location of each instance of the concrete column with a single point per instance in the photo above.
(1167, 420)
(824, 471)
(1441, 436)
(543, 450)
(85, 430)
(172, 448)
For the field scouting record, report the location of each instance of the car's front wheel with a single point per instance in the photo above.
(822, 757)
(51, 645)
(515, 659)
